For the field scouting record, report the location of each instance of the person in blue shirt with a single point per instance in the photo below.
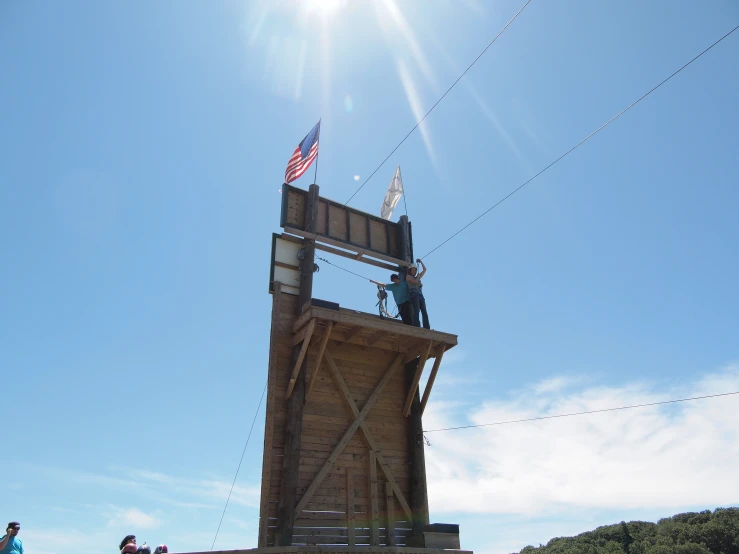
(400, 294)
(10, 543)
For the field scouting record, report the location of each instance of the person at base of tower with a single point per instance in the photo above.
(418, 302)
(10, 543)
(400, 294)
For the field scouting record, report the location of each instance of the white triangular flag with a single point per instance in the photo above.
(392, 197)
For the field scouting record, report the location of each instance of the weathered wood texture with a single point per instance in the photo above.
(341, 508)
(338, 225)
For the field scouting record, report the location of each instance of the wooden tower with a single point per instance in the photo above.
(343, 443)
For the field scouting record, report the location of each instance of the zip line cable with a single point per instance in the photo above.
(437, 102)
(584, 413)
(239, 467)
(343, 268)
(583, 141)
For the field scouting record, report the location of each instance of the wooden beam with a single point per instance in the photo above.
(340, 244)
(284, 524)
(432, 377)
(351, 333)
(319, 357)
(300, 335)
(269, 424)
(374, 509)
(374, 337)
(350, 507)
(348, 434)
(416, 379)
(390, 526)
(375, 322)
(299, 361)
(349, 401)
(359, 256)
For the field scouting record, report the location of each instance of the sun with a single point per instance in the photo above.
(322, 8)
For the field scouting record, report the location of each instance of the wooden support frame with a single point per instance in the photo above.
(269, 426)
(350, 508)
(356, 256)
(342, 386)
(319, 357)
(390, 526)
(432, 377)
(371, 321)
(348, 434)
(416, 379)
(374, 509)
(301, 355)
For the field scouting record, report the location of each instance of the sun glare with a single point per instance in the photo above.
(322, 8)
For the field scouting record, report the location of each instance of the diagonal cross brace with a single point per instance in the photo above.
(301, 355)
(348, 434)
(341, 385)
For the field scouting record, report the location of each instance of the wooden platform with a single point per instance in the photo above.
(336, 550)
(354, 481)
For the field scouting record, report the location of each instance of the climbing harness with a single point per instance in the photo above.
(382, 304)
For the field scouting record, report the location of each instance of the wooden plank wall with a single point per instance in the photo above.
(343, 224)
(326, 417)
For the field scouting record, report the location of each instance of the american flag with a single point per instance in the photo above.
(304, 154)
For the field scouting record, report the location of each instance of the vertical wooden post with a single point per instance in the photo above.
(417, 463)
(416, 459)
(269, 424)
(351, 541)
(390, 528)
(296, 402)
(374, 510)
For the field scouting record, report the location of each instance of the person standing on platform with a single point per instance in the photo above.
(10, 543)
(400, 294)
(418, 302)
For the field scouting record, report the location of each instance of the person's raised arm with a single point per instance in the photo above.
(6, 538)
(376, 283)
(423, 265)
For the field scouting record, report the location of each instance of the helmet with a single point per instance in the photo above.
(130, 548)
(161, 549)
(144, 549)
(413, 266)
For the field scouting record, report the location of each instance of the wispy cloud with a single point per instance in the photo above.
(131, 517)
(633, 458)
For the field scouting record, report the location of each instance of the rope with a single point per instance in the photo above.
(437, 102)
(238, 468)
(584, 413)
(583, 141)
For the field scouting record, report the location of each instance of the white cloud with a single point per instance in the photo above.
(132, 517)
(667, 456)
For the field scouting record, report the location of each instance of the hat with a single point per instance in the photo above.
(125, 541)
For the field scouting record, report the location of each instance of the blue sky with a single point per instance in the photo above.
(144, 147)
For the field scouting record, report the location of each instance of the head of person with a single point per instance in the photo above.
(395, 278)
(128, 540)
(13, 528)
(413, 269)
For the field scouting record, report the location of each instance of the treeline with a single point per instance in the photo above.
(706, 532)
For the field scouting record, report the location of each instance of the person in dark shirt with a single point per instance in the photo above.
(400, 294)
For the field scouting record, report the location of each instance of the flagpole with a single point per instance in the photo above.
(318, 151)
